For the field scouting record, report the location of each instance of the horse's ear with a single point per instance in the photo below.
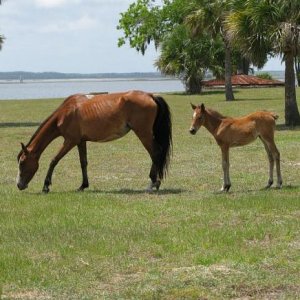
(25, 150)
(193, 106)
(202, 107)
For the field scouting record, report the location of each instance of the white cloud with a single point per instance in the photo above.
(55, 3)
(84, 23)
(50, 3)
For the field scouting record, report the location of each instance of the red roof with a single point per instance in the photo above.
(243, 80)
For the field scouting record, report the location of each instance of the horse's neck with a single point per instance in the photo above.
(212, 122)
(45, 134)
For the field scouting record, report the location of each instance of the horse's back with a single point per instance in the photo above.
(106, 117)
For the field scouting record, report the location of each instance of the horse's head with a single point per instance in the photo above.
(198, 117)
(28, 165)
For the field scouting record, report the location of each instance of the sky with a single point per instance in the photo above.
(71, 36)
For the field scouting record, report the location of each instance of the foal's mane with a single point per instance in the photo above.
(216, 114)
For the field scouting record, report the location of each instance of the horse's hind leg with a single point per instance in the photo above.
(83, 163)
(153, 149)
(155, 180)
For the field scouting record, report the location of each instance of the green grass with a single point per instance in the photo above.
(188, 241)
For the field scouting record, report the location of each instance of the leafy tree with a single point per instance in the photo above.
(145, 22)
(210, 16)
(188, 58)
(271, 26)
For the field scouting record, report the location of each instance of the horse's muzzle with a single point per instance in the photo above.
(192, 131)
(22, 186)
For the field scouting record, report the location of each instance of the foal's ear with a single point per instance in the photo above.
(193, 106)
(24, 148)
(202, 106)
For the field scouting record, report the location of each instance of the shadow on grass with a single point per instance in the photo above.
(116, 192)
(283, 127)
(138, 192)
(263, 189)
(17, 124)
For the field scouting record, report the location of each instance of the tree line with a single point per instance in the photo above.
(224, 36)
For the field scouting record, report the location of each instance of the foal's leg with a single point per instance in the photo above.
(83, 163)
(271, 163)
(276, 157)
(66, 147)
(225, 165)
(273, 155)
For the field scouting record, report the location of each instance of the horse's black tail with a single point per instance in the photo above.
(162, 132)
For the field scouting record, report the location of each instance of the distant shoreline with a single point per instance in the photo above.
(22, 76)
(24, 81)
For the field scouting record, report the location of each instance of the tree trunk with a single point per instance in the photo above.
(292, 117)
(243, 66)
(297, 68)
(228, 72)
(193, 85)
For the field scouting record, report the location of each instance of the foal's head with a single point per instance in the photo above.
(198, 117)
(28, 165)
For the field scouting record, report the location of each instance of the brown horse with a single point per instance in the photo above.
(101, 118)
(232, 132)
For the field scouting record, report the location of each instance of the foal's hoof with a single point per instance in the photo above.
(269, 184)
(225, 188)
(153, 185)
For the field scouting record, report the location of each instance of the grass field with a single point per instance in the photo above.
(188, 241)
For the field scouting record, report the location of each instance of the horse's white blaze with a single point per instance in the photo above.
(18, 178)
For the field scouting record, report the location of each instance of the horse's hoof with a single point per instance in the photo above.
(45, 190)
(153, 185)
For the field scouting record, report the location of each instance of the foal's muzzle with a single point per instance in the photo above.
(192, 130)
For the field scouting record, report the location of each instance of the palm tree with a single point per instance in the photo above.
(210, 16)
(297, 68)
(189, 58)
(1, 41)
(264, 26)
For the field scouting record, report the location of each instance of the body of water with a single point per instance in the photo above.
(41, 89)
(63, 88)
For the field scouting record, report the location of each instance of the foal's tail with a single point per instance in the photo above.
(162, 132)
(274, 115)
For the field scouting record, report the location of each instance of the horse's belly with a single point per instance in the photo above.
(105, 134)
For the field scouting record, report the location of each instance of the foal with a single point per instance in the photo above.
(231, 132)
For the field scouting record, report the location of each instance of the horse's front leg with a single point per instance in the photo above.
(225, 165)
(83, 163)
(67, 146)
